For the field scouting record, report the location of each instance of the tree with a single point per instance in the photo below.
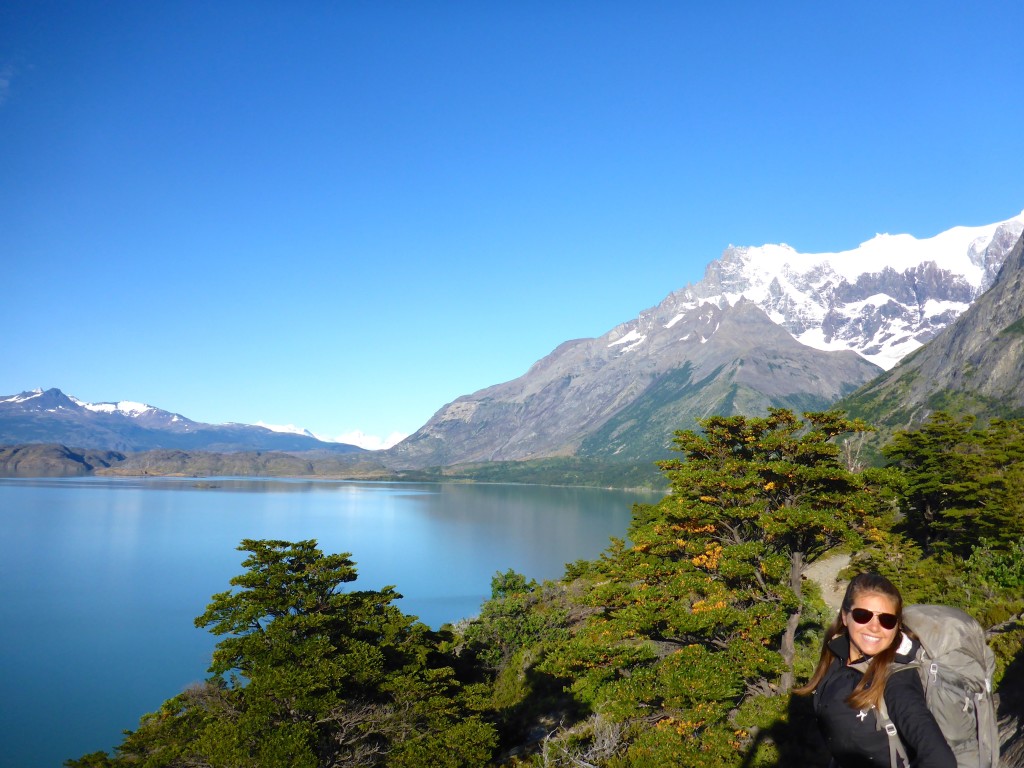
(701, 611)
(961, 484)
(1002, 498)
(939, 462)
(512, 619)
(773, 496)
(310, 675)
(298, 649)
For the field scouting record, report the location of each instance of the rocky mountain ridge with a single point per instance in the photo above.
(47, 460)
(708, 360)
(976, 366)
(883, 299)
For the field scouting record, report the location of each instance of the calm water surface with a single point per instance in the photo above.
(102, 578)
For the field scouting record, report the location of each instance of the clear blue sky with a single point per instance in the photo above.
(345, 215)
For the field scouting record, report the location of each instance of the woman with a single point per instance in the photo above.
(856, 670)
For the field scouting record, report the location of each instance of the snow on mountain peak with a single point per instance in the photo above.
(950, 250)
(630, 340)
(126, 407)
(23, 396)
(289, 429)
(369, 442)
(883, 299)
(357, 438)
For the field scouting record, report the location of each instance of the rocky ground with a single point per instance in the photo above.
(825, 573)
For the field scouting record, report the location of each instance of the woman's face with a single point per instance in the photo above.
(871, 638)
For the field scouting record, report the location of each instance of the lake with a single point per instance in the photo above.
(102, 578)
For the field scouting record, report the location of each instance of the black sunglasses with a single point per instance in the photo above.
(863, 616)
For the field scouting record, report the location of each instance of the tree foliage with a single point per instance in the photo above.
(699, 613)
(310, 675)
(962, 484)
(511, 620)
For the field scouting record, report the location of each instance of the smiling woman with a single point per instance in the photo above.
(871, 624)
(855, 676)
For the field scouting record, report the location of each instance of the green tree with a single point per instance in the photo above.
(297, 648)
(512, 619)
(700, 613)
(939, 462)
(308, 674)
(774, 496)
(960, 484)
(1002, 498)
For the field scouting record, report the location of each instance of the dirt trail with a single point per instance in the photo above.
(825, 572)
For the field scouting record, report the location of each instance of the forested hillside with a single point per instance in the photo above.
(679, 646)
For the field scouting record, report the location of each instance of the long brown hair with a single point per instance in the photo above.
(871, 687)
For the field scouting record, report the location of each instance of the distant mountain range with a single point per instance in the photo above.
(883, 299)
(891, 330)
(50, 416)
(766, 326)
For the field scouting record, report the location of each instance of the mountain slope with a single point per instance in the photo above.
(53, 460)
(975, 366)
(52, 417)
(632, 389)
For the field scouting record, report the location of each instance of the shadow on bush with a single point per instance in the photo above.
(797, 739)
(1011, 712)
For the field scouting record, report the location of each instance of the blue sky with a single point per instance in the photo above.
(345, 215)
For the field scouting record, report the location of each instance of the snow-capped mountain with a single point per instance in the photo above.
(140, 413)
(883, 299)
(974, 367)
(356, 437)
(50, 416)
(767, 326)
(288, 429)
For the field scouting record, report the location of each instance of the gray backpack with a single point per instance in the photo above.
(956, 666)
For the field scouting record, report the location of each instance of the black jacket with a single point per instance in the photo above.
(853, 736)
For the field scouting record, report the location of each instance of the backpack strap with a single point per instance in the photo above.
(897, 752)
(988, 727)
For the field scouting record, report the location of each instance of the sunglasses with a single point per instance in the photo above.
(863, 616)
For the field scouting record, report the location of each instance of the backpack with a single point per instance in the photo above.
(956, 667)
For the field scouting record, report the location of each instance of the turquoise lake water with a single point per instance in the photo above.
(102, 578)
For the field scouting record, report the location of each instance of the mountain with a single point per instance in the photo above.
(767, 326)
(50, 416)
(621, 396)
(975, 366)
(883, 299)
